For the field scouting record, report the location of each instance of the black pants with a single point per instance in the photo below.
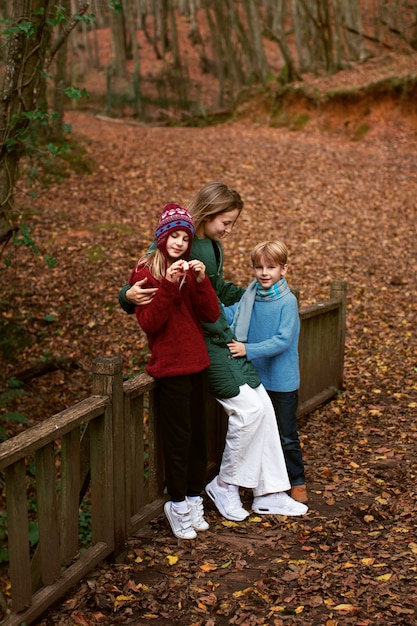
(182, 411)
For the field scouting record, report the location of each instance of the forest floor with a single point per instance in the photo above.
(345, 203)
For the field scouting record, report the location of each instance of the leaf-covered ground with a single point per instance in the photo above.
(347, 210)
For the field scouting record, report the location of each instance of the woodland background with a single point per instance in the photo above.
(328, 164)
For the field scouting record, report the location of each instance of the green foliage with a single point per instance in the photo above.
(49, 318)
(293, 121)
(116, 6)
(84, 523)
(360, 132)
(25, 26)
(76, 93)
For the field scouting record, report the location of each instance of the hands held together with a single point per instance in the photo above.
(139, 295)
(180, 268)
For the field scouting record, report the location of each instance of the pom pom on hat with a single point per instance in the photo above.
(174, 217)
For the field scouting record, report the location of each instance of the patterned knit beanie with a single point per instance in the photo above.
(173, 218)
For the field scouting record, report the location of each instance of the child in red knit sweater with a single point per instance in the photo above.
(179, 360)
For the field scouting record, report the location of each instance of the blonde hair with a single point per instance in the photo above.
(213, 198)
(271, 251)
(154, 260)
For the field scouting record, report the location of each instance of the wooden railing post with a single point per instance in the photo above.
(338, 291)
(108, 380)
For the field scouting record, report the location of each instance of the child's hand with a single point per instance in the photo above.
(199, 270)
(237, 348)
(177, 270)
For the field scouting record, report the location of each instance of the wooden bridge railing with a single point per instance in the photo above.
(99, 448)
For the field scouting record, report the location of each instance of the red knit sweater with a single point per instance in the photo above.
(171, 322)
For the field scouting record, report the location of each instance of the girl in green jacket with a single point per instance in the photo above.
(253, 456)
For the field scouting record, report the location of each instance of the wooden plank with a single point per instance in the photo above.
(153, 474)
(107, 380)
(27, 442)
(17, 529)
(47, 514)
(313, 403)
(315, 310)
(139, 385)
(69, 500)
(102, 487)
(135, 449)
(148, 512)
(44, 598)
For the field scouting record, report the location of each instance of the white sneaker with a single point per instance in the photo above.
(197, 513)
(180, 522)
(227, 501)
(278, 504)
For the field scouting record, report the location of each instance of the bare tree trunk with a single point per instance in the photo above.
(217, 52)
(25, 60)
(60, 82)
(260, 65)
(117, 25)
(276, 30)
(300, 31)
(352, 16)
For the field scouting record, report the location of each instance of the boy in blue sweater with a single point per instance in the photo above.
(266, 324)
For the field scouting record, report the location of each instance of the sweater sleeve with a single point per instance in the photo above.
(127, 306)
(206, 304)
(280, 339)
(229, 312)
(153, 316)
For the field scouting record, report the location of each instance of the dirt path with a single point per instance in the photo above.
(347, 210)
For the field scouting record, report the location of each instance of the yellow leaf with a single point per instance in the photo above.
(208, 567)
(348, 565)
(172, 559)
(229, 524)
(242, 592)
(354, 465)
(344, 607)
(384, 577)
(124, 598)
(369, 518)
(368, 561)
(299, 609)
(256, 519)
(138, 559)
(381, 500)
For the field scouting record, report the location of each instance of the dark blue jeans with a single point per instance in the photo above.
(285, 405)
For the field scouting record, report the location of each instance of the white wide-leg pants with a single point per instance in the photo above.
(253, 455)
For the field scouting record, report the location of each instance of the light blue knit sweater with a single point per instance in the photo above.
(272, 342)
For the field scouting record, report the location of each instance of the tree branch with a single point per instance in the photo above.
(67, 30)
